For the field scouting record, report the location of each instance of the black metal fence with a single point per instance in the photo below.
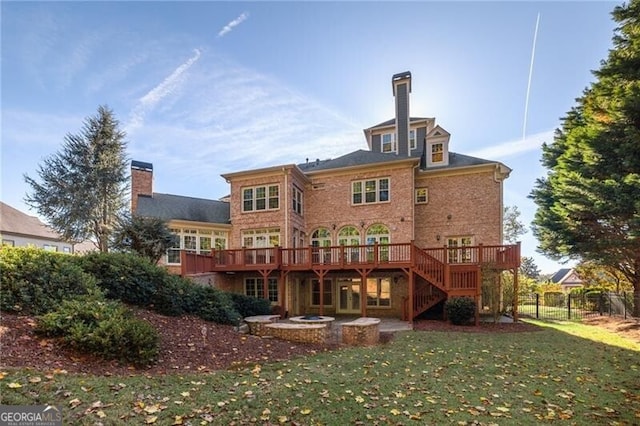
(561, 306)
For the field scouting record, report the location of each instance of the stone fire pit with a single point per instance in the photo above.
(313, 319)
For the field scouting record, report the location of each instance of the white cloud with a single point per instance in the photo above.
(149, 101)
(239, 20)
(515, 147)
(230, 118)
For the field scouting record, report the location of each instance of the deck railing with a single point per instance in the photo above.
(434, 263)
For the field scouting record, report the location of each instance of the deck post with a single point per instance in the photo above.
(183, 263)
(411, 296)
(515, 293)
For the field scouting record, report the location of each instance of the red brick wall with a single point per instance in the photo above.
(460, 205)
(141, 184)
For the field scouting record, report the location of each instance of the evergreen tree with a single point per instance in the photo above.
(82, 188)
(589, 202)
(147, 236)
(528, 268)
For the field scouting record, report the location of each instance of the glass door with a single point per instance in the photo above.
(349, 296)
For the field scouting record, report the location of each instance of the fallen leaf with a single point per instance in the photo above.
(14, 385)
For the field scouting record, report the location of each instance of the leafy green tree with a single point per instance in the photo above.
(148, 236)
(589, 202)
(512, 228)
(82, 188)
(603, 276)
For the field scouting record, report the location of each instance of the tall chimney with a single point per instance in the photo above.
(141, 182)
(401, 88)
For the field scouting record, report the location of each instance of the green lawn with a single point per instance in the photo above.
(419, 378)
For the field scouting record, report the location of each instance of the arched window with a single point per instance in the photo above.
(378, 233)
(350, 236)
(321, 237)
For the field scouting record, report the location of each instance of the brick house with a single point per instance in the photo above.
(390, 231)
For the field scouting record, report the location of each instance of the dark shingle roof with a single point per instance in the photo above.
(355, 158)
(393, 121)
(168, 207)
(363, 157)
(560, 275)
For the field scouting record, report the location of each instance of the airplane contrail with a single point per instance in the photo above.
(526, 102)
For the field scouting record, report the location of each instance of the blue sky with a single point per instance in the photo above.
(204, 88)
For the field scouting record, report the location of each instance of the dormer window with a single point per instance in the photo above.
(437, 153)
(388, 142)
(413, 144)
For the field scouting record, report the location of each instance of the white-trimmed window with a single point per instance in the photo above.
(413, 140)
(50, 247)
(378, 234)
(261, 238)
(370, 191)
(437, 153)
(254, 287)
(379, 292)
(327, 293)
(9, 243)
(456, 251)
(422, 195)
(195, 241)
(388, 142)
(259, 198)
(297, 200)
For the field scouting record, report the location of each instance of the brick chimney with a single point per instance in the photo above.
(401, 88)
(141, 182)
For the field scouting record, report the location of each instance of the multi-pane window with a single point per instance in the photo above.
(422, 196)
(457, 252)
(370, 191)
(327, 293)
(50, 247)
(195, 241)
(260, 198)
(254, 287)
(297, 200)
(388, 142)
(437, 153)
(379, 292)
(413, 143)
(378, 234)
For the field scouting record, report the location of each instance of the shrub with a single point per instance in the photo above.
(124, 276)
(460, 310)
(35, 281)
(248, 306)
(103, 328)
(210, 304)
(554, 299)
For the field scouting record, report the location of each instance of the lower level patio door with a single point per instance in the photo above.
(348, 296)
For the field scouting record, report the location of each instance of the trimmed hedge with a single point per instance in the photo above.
(34, 281)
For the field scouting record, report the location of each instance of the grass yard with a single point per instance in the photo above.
(566, 373)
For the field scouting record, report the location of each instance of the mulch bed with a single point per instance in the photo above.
(187, 344)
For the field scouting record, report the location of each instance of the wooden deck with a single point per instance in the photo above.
(432, 262)
(445, 271)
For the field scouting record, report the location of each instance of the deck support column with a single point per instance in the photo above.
(364, 274)
(411, 296)
(321, 274)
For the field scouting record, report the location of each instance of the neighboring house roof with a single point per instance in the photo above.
(13, 221)
(566, 276)
(177, 207)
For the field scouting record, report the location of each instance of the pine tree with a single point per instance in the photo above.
(589, 202)
(82, 188)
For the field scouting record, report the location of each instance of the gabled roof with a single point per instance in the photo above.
(13, 221)
(393, 121)
(460, 160)
(353, 159)
(177, 207)
(558, 276)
